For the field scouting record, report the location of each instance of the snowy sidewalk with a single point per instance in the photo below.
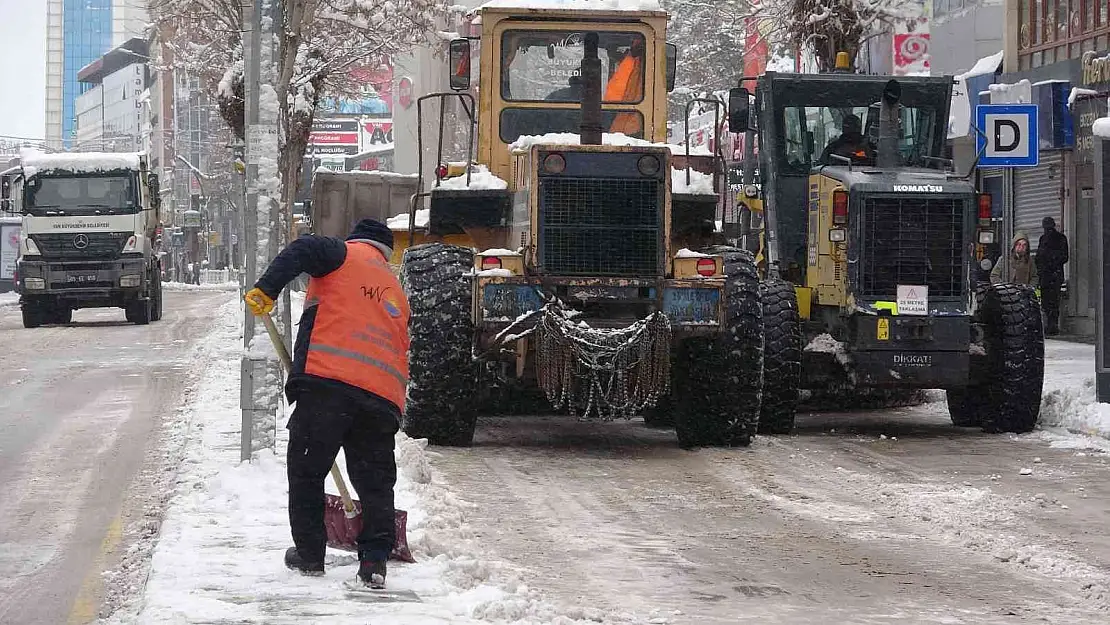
(218, 558)
(1069, 392)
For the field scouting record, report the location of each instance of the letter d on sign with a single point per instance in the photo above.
(1014, 135)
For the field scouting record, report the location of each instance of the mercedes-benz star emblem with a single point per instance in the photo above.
(80, 241)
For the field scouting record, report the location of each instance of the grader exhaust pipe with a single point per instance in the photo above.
(590, 129)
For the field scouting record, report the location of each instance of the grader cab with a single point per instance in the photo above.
(876, 235)
(587, 286)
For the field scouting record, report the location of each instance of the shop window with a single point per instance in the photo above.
(1062, 19)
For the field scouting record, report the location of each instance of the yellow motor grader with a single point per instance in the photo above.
(597, 281)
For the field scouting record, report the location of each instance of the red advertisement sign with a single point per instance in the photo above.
(334, 138)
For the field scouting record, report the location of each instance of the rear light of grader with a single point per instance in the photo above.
(984, 210)
(840, 208)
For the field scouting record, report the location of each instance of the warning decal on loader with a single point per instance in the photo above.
(913, 299)
(882, 332)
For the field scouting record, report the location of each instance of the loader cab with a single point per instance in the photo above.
(806, 152)
(529, 71)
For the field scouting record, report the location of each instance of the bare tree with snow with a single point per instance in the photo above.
(825, 27)
(319, 41)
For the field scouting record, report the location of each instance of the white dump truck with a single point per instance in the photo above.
(89, 235)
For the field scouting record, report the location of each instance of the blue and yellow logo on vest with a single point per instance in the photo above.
(392, 306)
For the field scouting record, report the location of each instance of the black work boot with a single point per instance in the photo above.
(372, 573)
(294, 561)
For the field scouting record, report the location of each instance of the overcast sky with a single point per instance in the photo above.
(23, 68)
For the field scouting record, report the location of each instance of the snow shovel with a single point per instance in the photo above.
(343, 515)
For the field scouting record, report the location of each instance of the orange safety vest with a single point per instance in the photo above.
(360, 335)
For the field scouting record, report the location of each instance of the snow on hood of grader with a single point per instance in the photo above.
(401, 222)
(526, 142)
(600, 5)
(481, 178)
(81, 162)
(700, 184)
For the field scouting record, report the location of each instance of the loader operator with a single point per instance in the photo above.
(350, 372)
(850, 144)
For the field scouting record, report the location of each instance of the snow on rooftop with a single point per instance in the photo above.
(982, 67)
(1079, 92)
(81, 162)
(481, 178)
(401, 222)
(700, 184)
(618, 139)
(596, 5)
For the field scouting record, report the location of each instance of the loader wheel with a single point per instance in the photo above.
(443, 380)
(965, 406)
(1014, 342)
(661, 415)
(782, 357)
(717, 381)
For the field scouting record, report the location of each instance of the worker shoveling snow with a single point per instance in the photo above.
(219, 552)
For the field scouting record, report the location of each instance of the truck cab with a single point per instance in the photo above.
(89, 235)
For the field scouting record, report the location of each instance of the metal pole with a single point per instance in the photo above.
(252, 24)
(1102, 255)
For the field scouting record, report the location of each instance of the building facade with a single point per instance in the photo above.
(963, 31)
(109, 113)
(77, 33)
(1055, 56)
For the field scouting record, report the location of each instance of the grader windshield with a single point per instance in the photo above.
(545, 66)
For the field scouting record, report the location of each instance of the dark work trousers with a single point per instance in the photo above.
(317, 429)
(1050, 302)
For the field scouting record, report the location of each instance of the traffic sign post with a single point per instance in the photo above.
(1008, 135)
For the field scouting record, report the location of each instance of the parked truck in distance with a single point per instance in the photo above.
(89, 235)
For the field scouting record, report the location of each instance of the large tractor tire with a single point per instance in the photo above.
(441, 404)
(1014, 342)
(717, 382)
(661, 415)
(782, 357)
(966, 406)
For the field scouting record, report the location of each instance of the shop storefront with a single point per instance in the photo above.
(1070, 94)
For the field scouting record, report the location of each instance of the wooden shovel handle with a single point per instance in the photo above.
(287, 362)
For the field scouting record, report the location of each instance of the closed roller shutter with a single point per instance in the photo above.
(1039, 193)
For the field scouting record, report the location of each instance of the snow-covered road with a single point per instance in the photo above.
(871, 517)
(82, 470)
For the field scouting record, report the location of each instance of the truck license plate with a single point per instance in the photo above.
(81, 279)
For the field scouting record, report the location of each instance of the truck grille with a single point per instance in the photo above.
(912, 241)
(601, 226)
(97, 245)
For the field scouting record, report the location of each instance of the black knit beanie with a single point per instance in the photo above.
(372, 230)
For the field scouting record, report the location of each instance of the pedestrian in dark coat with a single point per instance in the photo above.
(350, 373)
(1052, 257)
